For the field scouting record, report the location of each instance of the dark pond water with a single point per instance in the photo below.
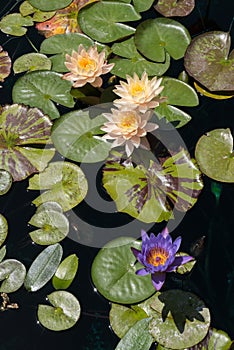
(213, 276)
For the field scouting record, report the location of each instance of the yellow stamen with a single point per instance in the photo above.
(136, 89)
(157, 256)
(86, 63)
(128, 122)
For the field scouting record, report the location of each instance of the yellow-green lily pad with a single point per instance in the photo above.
(66, 272)
(3, 229)
(5, 181)
(30, 62)
(14, 24)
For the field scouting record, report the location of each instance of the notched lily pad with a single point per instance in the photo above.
(172, 8)
(52, 5)
(5, 181)
(63, 314)
(185, 268)
(64, 183)
(12, 273)
(208, 61)
(3, 229)
(14, 24)
(22, 127)
(214, 154)
(66, 272)
(30, 62)
(5, 64)
(142, 6)
(38, 16)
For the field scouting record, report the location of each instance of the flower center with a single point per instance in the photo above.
(128, 122)
(86, 63)
(157, 256)
(136, 89)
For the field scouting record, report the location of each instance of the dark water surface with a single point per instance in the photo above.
(213, 276)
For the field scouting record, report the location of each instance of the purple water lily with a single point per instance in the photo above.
(158, 255)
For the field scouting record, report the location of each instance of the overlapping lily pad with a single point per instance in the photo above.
(42, 89)
(66, 272)
(52, 5)
(215, 339)
(63, 314)
(64, 183)
(103, 21)
(150, 194)
(12, 274)
(3, 229)
(21, 127)
(14, 24)
(5, 64)
(133, 62)
(142, 6)
(214, 154)
(171, 8)
(155, 37)
(208, 61)
(2, 253)
(76, 136)
(38, 16)
(114, 273)
(30, 62)
(5, 181)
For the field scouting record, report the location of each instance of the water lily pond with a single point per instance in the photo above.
(116, 175)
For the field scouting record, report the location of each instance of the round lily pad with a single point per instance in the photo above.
(14, 24)
(63, 314)
(207, 61)
(214, 154)
(215, 339)
(2, 253)
(48, 206)
(52, 5)
(53, 227)
(3, 229)
(64, 183)
(114, 273)
(5, 64)
(142, 6)
(179, 93)
(30, 62)
(172, 114)
(179, 319)
(172, 8)
(5, 181)
(38, 16)
(66, 272)
(12, 273)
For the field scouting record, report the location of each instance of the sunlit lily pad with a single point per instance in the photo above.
(114, 273)
(5, 181)
(187, 267)
(172, 8)
(150, 194)
(216, 96)
(103, 21)
(133, 62)
(30, 62)
(76, 137)
(21, 127)
(47, 206)
(179, 319)
(64, 183)
(12, 274)
(122, 318)
(14, 24)
(43, 267)
(53, 227)
(142, 6)
(215, 339)
(172, 114)
(138, 337)
(5, 64)
(52, 5)
(155, 37)
(63, 314)
(37, 15)
(42, 89)
(2, 253)
(3, 229)
(214, 154)
(207, 61)
(66, 272)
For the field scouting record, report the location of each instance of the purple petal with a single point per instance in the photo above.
(144, 236)
(158, 279)
(176, 244)
(142, 272)
(179, 260)
(135, 251)
(165, 232)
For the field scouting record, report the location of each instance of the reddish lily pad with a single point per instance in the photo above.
(21, 127)
(170, 8)
(5, 64)
(207, 61)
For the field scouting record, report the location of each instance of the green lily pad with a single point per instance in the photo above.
(66, 272)
(30, 62)
(172, 8)
(52, 5)
(138, 337)
(63, 314)
(142, 6)
(75, 136)
(187, 267)
(38, 16)
(43, 267)
(12, 273)
(207, 61)
(39, 89)
(5, 181)
(14, 24)
(133, 62)
(149, 194)
(114, 273)
(103, 21)
(2, 253)
(214, 154)
(172, 114)
(53, 227)
(155, 37)
(3, 229)
(21, 127)
(179, 319)
(179, 93)
(215, 339)
(122, 318)
(65, 183)
(48, 206)
(5, 64)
